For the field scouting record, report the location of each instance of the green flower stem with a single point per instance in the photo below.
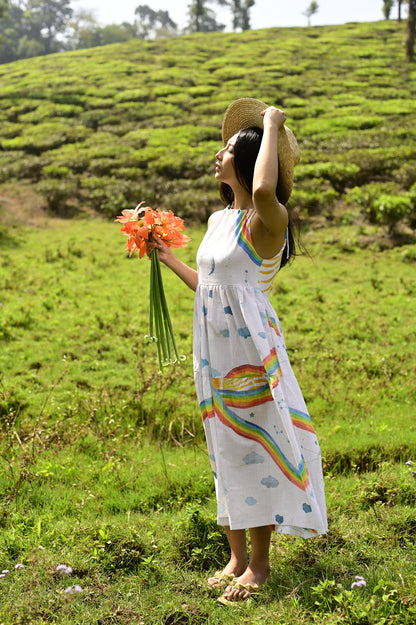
(163, 335)
(151, 308)
(154, 329)
(166, 315)
(160, 335)
(160, 325)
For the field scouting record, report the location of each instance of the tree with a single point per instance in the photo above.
(115, 33)
(153, 22)
(32, 28)
(202, 18)
(27, 48)
(399, 13)
(12, 29)
(411, 25)
(83, 32)
(311, 10)
(387, 7)
(240, 11)
(47, 19)
(3, 7)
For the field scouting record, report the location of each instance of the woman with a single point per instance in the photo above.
(263, 450)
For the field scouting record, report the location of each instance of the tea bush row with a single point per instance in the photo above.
(122, 122)
(384, 204)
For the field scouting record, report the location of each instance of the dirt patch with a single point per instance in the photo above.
(20, 204)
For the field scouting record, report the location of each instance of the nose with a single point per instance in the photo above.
(219, 154)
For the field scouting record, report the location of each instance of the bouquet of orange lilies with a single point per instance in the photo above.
(139, 225)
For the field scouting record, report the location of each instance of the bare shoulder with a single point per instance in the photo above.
(273, 220)
(213, 218)
(269, 237)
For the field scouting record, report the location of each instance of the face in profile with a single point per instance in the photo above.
(224, 165)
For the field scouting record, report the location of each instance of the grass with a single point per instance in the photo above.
(77, 294)
(103, 462)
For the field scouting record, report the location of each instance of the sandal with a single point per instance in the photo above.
(223, 580)
(252, 589)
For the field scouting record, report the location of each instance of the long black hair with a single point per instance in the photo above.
(246, 149)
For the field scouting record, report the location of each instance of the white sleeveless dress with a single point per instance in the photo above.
(262, 446)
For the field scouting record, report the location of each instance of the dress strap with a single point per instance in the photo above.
(287, 244)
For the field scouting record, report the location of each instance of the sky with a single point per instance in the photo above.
(264, 14)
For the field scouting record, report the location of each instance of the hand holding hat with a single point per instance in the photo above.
(275, 115)
(249, 112)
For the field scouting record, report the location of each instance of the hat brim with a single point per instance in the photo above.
(246, 113)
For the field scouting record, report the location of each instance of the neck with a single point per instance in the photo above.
(242, 199)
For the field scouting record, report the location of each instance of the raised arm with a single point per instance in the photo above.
(166, 256)
(270, 226)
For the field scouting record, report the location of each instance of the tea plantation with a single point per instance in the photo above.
(104, 128)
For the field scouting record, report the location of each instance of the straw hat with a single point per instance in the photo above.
(246, 113)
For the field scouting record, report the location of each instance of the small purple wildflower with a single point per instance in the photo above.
(2, 575)
(360, 582)
(409, 463)
(5, 571)
(63, 569)
(41, 548)
(73, 589)
(19, 566)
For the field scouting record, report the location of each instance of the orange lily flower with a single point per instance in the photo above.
(140, 223)
(138, 226)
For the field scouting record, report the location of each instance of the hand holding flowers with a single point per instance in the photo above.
(147, 230)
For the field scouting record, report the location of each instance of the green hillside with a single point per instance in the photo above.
(107, 503)
(106, 127)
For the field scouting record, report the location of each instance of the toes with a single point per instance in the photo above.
(220, 580)
(235, 594)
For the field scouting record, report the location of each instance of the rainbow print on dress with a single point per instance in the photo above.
(297, 475)
(272, 367)
(301, 420)
(243, 236)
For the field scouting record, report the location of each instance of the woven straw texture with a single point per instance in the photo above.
(246, 113)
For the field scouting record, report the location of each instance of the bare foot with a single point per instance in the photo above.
(246, 584)
(224, 577)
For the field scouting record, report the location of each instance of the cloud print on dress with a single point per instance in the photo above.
(244, 332)
(270, 482)
(253, 458)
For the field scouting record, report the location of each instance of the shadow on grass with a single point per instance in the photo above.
(7, 239)
(363, 460)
